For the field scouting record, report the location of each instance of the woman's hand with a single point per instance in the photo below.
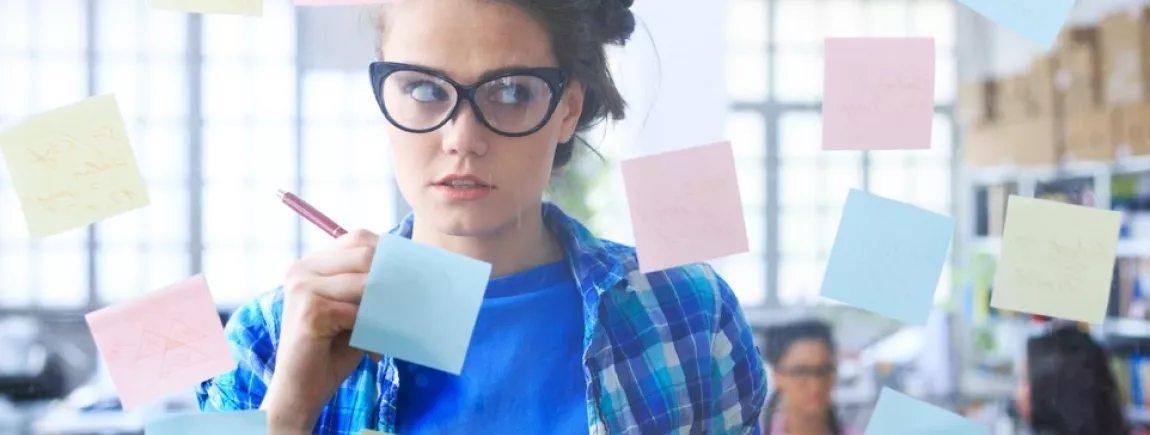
(321, 298)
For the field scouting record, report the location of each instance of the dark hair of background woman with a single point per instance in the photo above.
(779, 340)
(1072, 391)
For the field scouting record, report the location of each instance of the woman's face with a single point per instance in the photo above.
(805, 377)
(466, 39)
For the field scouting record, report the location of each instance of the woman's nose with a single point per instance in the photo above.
(464, 133)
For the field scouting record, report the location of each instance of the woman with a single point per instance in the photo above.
(1069, 389)
(802, 358)
(484, 100)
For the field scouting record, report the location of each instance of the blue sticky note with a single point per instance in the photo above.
(420, 304)
(1036, 20)
(899, 414)
(887, 257)
(215, 423)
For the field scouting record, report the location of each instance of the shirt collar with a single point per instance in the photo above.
(595, 267)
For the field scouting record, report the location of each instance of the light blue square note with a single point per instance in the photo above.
(420, 304)
(887, 257)
(215, 423)
(1036, 20)
(899, 414)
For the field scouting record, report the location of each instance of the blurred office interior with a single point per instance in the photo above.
(225, 110)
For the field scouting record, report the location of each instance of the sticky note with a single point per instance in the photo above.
(878, 93)
(162, 342)
(899, 414)
(251, 8)
(887, 257)
(1057, 259)
(73, 166)
(1038, 21)
(218, 423)
(420, 304)
(685, 206)
(372, 432)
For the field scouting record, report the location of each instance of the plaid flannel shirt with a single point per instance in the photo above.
(666, 352)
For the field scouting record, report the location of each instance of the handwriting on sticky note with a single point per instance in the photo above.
(1057, 259)
(164, 341)
(198, 423)
(685, 206)
(879, 93)
(253, 8)
(73, 166)
(1036, 20)
(887, 257)
(899, 414)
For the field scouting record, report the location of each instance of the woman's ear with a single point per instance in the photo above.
(571, 109)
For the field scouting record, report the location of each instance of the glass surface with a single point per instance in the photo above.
(752, 178)
(842, 18)
(747, 74)
(799, 232)
(747, 23)
(887, 18)
(748, 134)
(15, 86)
(68, 32)
(746, 275)
(799, 74)
(799, 280)
(828, 230)
(16, 284)
(224, 206)
(56, 83)
(800, 135)
(15, 26)
(935, 19)
(797, 178)
(796, 25)
(839, 176)
(122, 268)
(62, 276)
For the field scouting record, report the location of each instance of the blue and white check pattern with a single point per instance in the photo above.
(666, 352)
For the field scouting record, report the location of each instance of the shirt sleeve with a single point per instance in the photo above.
(737, 369)
(251, 337)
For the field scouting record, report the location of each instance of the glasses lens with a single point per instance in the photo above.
(417, 101)
(514, 104)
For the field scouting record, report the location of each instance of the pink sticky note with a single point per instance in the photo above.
(879, 93)
(166, 341)
(340, 2)
(685, 206)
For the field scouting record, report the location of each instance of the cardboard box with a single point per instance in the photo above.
(1034, 142)
(1079, 77)
(1025, 143)
(1125, 52)
(976, 105)
(1090, 136)
(1133, 130)
(1013, 103)
(1041, 95)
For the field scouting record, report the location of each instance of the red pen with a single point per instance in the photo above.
(311, 214)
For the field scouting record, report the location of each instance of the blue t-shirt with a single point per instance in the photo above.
(524, 368)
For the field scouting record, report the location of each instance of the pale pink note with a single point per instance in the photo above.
(165, 341)
(879, 93)
(685, 206)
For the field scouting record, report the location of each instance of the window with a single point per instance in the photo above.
(812, 184)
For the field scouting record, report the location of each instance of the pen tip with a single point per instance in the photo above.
(280, 193)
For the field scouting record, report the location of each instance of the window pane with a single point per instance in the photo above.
(748, 134)
(224, 160)
(945, 78)
(747, 75)
(842, 18)
(799, 280)
(796, 179)
(747, 23)
(942, 139)
(165, 267)
(162, 150)
(800, 134)
(122, 274)
(746, 275)
(794, 22)
(59, 81)
(226, 271)
(167, 220)
(756, 222)
(116, 28)
(828, 229)
(16, 286)
(934, 19)
(166, 33)
(800, 75)
(222, 203)
(840, 176)
(15, 86)
(63, 278)
(229, 90)
(799, 233)
(887, 18)
(15, 19)
(890, 181)
(326, 157)
(166, 98)
(752, 178)
(67, 34)
(273, 88)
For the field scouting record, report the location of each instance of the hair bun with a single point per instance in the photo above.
(617, 21)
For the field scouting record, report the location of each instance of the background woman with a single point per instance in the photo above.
(1068, 387)
(484, 100)
(802, 359)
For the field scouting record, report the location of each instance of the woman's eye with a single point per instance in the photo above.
(426, 92)
(511, 94)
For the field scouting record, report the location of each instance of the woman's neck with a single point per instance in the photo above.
(805, 425)
(523, 244)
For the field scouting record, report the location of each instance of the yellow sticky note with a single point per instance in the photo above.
(372, 432)
(1057, 259)
(73, 166)
(251, 8)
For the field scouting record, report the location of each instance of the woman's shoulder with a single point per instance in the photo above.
(697, 280)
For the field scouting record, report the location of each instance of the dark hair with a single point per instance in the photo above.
(580, 31)
(1072, 391)
(779, 341)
